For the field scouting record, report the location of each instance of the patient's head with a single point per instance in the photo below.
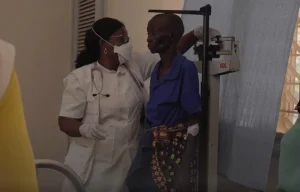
(164, 32)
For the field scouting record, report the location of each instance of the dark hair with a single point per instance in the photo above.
(104, 27)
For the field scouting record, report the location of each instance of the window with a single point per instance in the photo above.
(85, 19)
(290, 94)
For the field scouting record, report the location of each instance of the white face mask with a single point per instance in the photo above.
(124, 51)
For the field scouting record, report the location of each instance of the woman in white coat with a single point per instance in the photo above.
(102, 103)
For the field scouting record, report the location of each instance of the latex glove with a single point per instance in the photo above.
(193, 130)
(92, 131)
(198, 32)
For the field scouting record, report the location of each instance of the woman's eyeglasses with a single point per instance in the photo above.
(123, 39)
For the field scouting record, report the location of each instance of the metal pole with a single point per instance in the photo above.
(188, 12)
(204, 132)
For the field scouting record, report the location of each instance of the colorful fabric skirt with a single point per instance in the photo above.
(169, 146)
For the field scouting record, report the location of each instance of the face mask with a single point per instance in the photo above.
(124, 51)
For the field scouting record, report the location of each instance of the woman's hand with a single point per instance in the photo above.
(92, 131)
(189, 39)
(74, 128)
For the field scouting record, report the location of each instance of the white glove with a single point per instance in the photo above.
(193, 130)
(198, 32)
(92, 131)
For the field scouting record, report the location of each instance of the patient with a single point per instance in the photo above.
(173, 109)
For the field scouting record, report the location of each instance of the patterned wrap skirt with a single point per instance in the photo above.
(169, 147)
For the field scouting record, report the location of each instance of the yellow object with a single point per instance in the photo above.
(17, 169)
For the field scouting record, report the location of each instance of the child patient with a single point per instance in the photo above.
(174, 107)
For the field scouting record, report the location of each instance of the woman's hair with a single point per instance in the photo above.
(104, 27)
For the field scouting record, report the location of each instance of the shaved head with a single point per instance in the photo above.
(173, 23)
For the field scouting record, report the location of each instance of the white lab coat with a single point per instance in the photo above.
(103, 165)
(147, 90)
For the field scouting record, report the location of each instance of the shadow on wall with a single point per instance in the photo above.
(137, 18)
(43, 58)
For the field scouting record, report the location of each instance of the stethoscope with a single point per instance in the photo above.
(99, 91)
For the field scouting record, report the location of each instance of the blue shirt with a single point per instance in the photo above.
(175, 96)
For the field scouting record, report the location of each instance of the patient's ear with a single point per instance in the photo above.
(172, 37)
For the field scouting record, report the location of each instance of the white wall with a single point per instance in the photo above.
(134, 13)
(41, 32)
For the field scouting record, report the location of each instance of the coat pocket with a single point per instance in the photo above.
(79, 158)
(104, 150)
